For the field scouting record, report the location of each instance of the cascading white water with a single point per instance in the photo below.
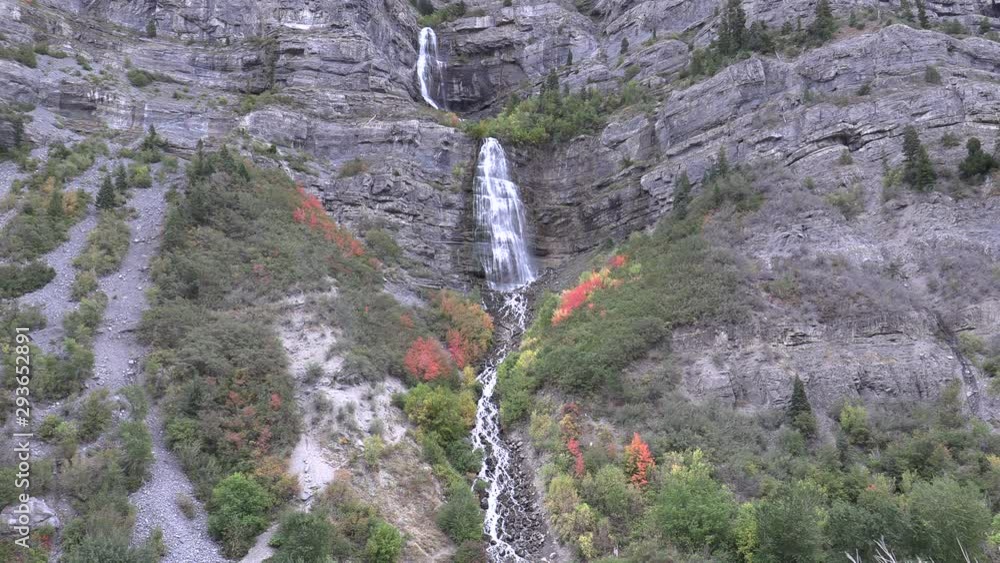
(508, 267)
(501, 500)
(500, 222)
(429, 68)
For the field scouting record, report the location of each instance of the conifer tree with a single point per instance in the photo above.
(732, 29)
(682, 196)
(904, 7)
(918, 171)
(977, 162)
(121, 178)
(569, 59)
(922, 14)
(800, 413)
(824, 25)
(56, 204)
(106, 195)
(623, 49)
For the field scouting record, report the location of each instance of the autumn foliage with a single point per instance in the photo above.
(426, 359)
(638, 461)
(572, 299)
(470, 328)
(573, 445)
(310, 212)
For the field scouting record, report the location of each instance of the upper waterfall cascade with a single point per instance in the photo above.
(429, 67)
(500, 222)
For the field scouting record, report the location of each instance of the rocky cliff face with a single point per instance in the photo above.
(326, 91)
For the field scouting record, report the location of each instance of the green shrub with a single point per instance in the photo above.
(460, 517)
(948, 517)
(302, 537)
(23, 53)
(140, 78)
(552, 116)
(138, 176)
(850, 202)
(385, 544)
(16, 281)
(353, 167)
(978, 163)
(449, 12)
(95, 415)
(692, 509)
(932, 76)
(238, 512)
(137, 452)
(788, 526)
(106, 246)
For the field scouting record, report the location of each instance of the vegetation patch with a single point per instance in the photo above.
(554, 116)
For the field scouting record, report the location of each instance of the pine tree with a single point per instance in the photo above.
(824, 25)
(977, 163)
(904, 7)
(121, 178)
(151, 28)
(106, 195)
(623, 49)
(800, 413)
(682, 196)
(56, 204)
(918, 171)
(569, 59)
(732, 29)
(922, 14)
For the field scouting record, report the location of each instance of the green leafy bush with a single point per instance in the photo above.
(106, 245)
(238, 512)
(16, 281)
(552, 116)
(460, 517)
(385, 544)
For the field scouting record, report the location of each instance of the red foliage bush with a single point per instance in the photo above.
(574, 449)
(572, 299)
(426, 359)
(638, 461)
(310, 212)
(470, 328)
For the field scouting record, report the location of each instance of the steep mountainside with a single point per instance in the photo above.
(724, 207)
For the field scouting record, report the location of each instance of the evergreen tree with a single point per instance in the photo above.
(569, 59)
(151, 28)
(800, 413)
(824, 25)
(106, 195)
(918, 171)
(682, 196)
(904, 8)
(922, 14)
(732, 29)
(624, 46)
(977, 163)
(121, 178)
(56, 204)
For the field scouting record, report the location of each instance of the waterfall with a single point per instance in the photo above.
(429, 68)
(500, 222)
(504, 254)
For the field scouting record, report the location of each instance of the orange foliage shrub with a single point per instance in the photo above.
(573, 298)
(470, 328)
(310, 212)
(638, 461)
(574, 449)
(426, 359)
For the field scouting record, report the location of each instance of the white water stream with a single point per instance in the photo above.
(429, 67)
(508, 266)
